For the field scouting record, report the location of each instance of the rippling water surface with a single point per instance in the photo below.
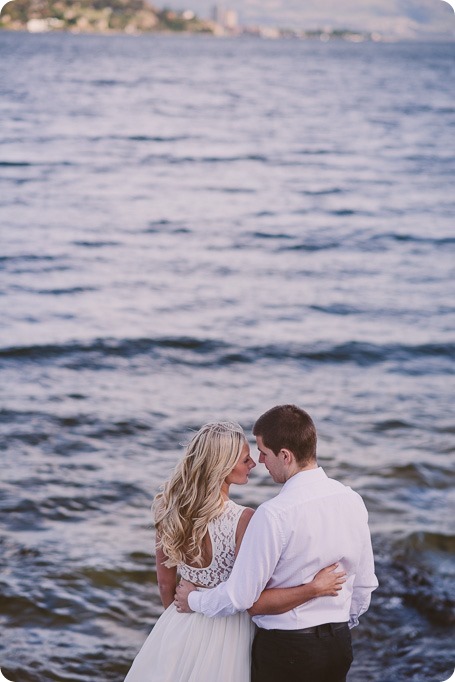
(196, 228)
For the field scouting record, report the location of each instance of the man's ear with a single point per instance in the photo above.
(287, 455)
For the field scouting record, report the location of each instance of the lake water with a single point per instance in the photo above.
(198, 228)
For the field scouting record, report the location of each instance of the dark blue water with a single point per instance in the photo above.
(196, 228)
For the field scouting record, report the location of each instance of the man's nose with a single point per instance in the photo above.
(261, 458)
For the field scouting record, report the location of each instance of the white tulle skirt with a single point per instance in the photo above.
(189, 647)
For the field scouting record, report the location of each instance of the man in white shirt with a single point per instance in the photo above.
(313, 522)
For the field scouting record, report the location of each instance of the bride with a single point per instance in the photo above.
(199, 531)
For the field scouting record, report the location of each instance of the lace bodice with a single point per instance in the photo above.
(222, 535)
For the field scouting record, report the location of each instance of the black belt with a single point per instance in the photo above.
(325, 628)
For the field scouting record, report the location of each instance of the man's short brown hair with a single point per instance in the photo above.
(289, 427)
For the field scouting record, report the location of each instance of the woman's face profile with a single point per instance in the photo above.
(239, 474)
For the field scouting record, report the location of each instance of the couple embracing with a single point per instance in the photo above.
(266, 596)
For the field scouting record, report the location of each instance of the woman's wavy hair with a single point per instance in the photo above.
(192, 497)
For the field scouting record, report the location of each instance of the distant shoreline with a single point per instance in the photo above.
(138, 17)
(107, 17)
(241, 36)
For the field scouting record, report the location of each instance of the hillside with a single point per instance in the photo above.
(97, 16)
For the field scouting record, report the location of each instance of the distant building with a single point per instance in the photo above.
(217, 12)
(225, 17)
(231, 19)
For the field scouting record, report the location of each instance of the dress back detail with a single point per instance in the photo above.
(222, 535)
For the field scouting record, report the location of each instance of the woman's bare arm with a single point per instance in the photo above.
(166, 577)
(242, 526)
(326, 583)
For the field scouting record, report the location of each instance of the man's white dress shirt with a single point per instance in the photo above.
(313, 522)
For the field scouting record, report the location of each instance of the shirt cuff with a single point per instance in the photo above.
(194, 601)
(353, 621)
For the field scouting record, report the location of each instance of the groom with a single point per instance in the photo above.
(313, 522)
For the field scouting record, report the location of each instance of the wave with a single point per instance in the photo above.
(26, 164)
(65, 292)
(322, 152)
(269, 235)
(337, 309)
(96, 244)
(372, 243)
(399, 237)
(171, 159)
(27, 257)
(392, 425)
(312, 246)
(413, 578)
(322, 192)
(22, 608)
(36, 427)
(144, 138)
(55, 292)
(33, 263)
(231, 190)
(434, 476)
(422, 541)
(79, 502)
(213, 352)
(15, 164)
(156, 227)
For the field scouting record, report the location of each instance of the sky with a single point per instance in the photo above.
(408, 18)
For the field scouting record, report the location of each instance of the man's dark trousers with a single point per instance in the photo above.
(319, 654)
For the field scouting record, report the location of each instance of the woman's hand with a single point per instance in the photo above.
(181, 596)
(327, 583)
(276, 600)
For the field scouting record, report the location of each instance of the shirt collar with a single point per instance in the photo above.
(305, 478)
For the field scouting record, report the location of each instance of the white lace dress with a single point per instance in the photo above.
(188, 647)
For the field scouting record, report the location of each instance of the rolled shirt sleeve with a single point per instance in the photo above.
(365, 580)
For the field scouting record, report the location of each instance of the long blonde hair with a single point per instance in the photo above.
(192, 497)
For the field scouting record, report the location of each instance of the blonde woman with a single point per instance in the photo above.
(199, 531)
